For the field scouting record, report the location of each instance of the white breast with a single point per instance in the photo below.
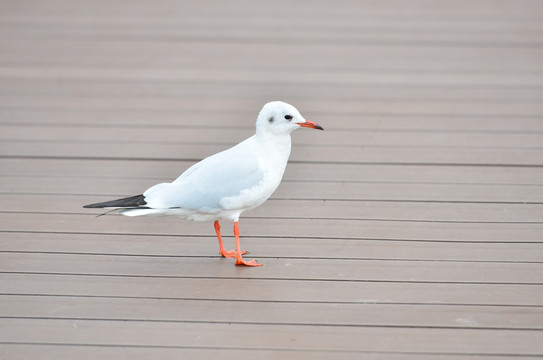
(272, 161)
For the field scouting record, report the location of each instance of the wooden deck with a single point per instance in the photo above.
(412, 228)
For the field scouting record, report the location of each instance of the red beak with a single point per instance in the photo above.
(312, 125)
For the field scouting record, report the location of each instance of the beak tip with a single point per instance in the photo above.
(311, 125)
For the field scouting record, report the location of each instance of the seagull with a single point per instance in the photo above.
(224, 185)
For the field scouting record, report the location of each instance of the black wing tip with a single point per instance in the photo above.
(132, 201)
(92, 206)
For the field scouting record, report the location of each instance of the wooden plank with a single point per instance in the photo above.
(349, 76)
(419, 246)
(133, 137)
(273, 290)
(421, 66)
(23, 351)
(161, 104)
(302, 30)
(239, 118)
(379, 72)
(263, 247)
(298, 190)
(160, 171)
(332, 209)
(396, 14)
(323, 338)
(272, 228)
(363, 55)
(305, 153)
(368, 315)
(89, 352)
(382, 36)
(506, 12)
(300, 269)
(211, 90)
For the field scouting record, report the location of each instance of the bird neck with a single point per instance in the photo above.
(276, 142)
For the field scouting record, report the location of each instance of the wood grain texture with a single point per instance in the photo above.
(410, 229)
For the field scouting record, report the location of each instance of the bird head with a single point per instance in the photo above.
(281, 118)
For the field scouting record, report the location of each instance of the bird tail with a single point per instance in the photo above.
(129, 206)
(137, 201)
(140, 211)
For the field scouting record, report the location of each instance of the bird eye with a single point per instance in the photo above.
(288, 117)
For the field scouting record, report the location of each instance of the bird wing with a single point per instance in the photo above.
(202, 186)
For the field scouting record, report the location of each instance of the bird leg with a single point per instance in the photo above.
(239, 259)
(222, 250)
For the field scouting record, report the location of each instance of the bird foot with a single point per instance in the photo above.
(240, 261)
(230, 253)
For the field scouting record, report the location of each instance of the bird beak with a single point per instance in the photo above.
(312, 125)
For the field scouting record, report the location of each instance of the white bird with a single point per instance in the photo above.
(224, 185)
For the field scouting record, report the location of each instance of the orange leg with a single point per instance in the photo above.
(222, 250)
(239, 259)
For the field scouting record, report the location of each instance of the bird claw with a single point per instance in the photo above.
(240, 261)
(231, 253)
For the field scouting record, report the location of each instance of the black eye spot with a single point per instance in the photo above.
(270, 120)
(288, 117)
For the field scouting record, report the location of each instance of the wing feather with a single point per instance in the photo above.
(204, 184)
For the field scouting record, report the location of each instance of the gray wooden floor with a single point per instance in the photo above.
(412, 228)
